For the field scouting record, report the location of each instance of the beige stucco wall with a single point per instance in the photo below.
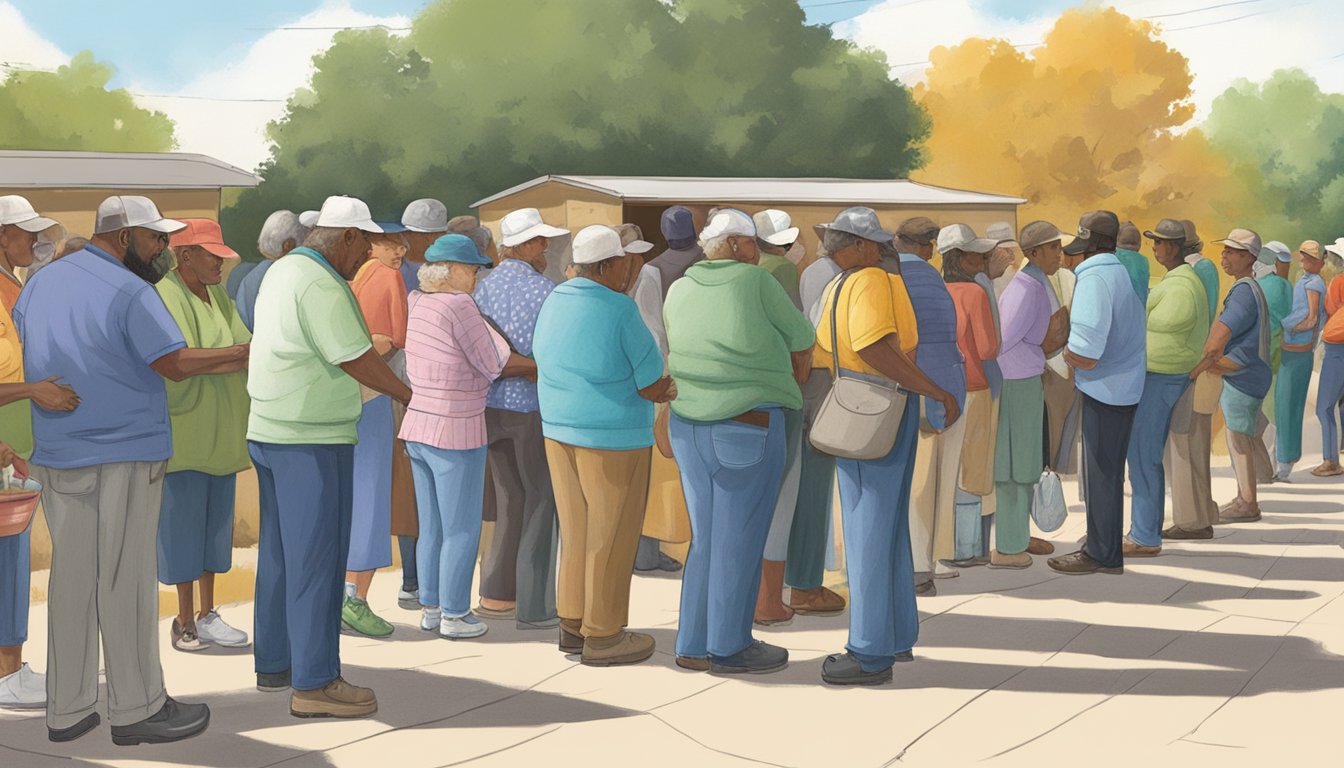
(75, 208)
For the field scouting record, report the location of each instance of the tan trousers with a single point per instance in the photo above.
(1063, 407)
(933, 496)
(1242, 450)
(665, 516)
(104, 523)
(1192, 505)
(599, 499)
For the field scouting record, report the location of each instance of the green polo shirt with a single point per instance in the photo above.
(730, 329)
(208, 413)
(307, 323)
(1178, 322)
(785, 272)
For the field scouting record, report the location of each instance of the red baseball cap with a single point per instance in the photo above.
(205, 233)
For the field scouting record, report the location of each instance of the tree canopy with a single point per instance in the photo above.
(479, 97)
(72, 109)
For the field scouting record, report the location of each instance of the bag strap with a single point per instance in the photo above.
(835, 310)
(1262, 312)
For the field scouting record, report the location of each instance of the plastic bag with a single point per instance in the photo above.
(1048, 508)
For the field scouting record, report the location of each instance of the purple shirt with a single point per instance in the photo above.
(1024, 314)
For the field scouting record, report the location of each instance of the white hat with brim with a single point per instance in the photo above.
(775, 227)
(308, 219)
(1336, 248)
(126, 211)
(341, 212)
(525, 224)
(960, 237)
(16, 210)
(728, 222)
(597, 243)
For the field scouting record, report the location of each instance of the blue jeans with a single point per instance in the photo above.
(1330, 388)
(15, 581)
(449, 492)
(875, 510)
(1147, 443)
(730, 473)
(306, 497)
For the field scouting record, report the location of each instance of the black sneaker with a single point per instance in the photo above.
(273, 682)
(76, 730)
(756, 659)
(175, 721)
(844, 669)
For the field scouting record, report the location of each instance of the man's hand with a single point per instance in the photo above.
(1078, 361)
(51, 396)
(661, 391)
(951, 410)
(1057, 333)
(7, 455)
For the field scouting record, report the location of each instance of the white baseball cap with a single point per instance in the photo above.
(728, 222)
(961, 237)
(425, 215)
(16, 210)
(122, 211)
(597, 243)
(775, 227)
(308, 219)
(525, 224)
(340, 212)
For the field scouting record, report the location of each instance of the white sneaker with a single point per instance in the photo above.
(212, 629)
(461, 627)
(24, 689)
(941, 570)
(430, 619)
(1284, 471)
(408, 599)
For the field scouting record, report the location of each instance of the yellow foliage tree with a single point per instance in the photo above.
(1093, 118)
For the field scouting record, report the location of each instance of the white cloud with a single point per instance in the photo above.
(23, 48)
(1248, 40)
(272, 68)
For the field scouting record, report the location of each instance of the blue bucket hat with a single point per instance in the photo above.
(456, 248)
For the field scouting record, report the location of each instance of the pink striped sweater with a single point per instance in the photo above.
(451, 358)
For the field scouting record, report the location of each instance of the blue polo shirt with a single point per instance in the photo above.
(1108, 325)
(248, 289)
(1241, 314)
(1307, 283)
(89, 320)
(593, 355)
(938, 355)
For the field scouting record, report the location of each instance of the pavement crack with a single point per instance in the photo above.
(1073, 717)
(1243, 687)
(502, 749)
(716, 749)
(689, 696)
(1210, 743)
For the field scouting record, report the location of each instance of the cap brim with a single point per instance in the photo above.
(1235, 245)
(1336, 250)
(423, 230)
(391, 227)
(638, 246)
(36, 224)
(540, 230)
(219, 249)
(877, 236)
(1155, 236)
(785, 237)
(1078, 246)
(166, 226)
(981, 245)
(309, 218)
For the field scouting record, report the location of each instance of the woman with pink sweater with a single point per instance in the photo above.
(452, 356)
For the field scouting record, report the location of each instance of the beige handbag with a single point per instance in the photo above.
(860, 417)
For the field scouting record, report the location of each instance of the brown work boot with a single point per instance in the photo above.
(819, 601)
(1018, 561)
(571, 638)
(621, 648)
(770, 608)
(1040, 547)
(1131, 548)
(337, 699)
(1176, 533)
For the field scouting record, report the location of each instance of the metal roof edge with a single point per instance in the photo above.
(244, 178)
(1007, 199)
(573, 181)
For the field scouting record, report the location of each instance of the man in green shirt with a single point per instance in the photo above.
(1178, 325)
(311, 353)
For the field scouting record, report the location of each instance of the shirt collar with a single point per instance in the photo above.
(99, 252)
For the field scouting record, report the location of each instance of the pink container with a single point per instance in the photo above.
(17, 507)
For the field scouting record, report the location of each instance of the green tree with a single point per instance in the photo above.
(479, 97)
(72, 109)
(1285, 140)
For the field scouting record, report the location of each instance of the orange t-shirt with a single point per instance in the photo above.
(381, 293)
(1333, 332)
(977, 337)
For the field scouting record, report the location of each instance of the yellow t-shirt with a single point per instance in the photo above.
(16, 419)
(874, 303)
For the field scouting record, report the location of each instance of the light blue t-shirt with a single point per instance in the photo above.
(89, 320)
(248, 289)
(1108, 325)
(593, 355)
(1306, 283)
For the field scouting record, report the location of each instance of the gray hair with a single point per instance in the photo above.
(471, 227)
(324, 239)
(279, 227)
(435, 276)
(835, 241)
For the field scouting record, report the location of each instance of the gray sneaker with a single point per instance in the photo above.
(213, 629)
(756, 659)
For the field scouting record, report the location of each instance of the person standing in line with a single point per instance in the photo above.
(282, 232)
(1301, 330)
(1177, 321)
(1127, 245)
(1238, 351)
(209, 423)
(1031, 333)
(1330, 387)
(1271, 272)
(599, 372)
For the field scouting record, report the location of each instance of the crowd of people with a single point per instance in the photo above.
(406, 381)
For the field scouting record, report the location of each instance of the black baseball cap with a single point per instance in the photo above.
(1092, 225)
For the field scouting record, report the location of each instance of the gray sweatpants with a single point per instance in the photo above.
(104, 523)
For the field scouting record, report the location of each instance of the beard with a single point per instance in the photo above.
(151, 269)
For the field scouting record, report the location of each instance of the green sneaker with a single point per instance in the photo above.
(356, 616)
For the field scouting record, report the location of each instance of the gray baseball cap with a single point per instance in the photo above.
(1039, 233)
(861, 222)
(1000, 231)
(425, 215)
(1167, 229)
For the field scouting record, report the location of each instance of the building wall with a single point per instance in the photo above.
(561, 205)
(76, 208)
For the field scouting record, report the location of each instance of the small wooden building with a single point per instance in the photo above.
(574, 202)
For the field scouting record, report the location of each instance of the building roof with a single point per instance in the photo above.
(689, 189)
(118, 170)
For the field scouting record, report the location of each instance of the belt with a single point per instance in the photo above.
(753, 418)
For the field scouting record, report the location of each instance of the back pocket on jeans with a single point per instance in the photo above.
(739, 445)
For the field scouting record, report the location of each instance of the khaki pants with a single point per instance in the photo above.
(599, 497)
(933, 496)
(1063, 416)
(1188, 447)
(980, 421)
(104, 523)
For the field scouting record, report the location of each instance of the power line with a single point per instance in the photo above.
(1201, 10)
(205, 98)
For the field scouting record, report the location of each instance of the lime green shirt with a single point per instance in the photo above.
(1178, 322)
(785, 272)
(208, 413)
(307, 323)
